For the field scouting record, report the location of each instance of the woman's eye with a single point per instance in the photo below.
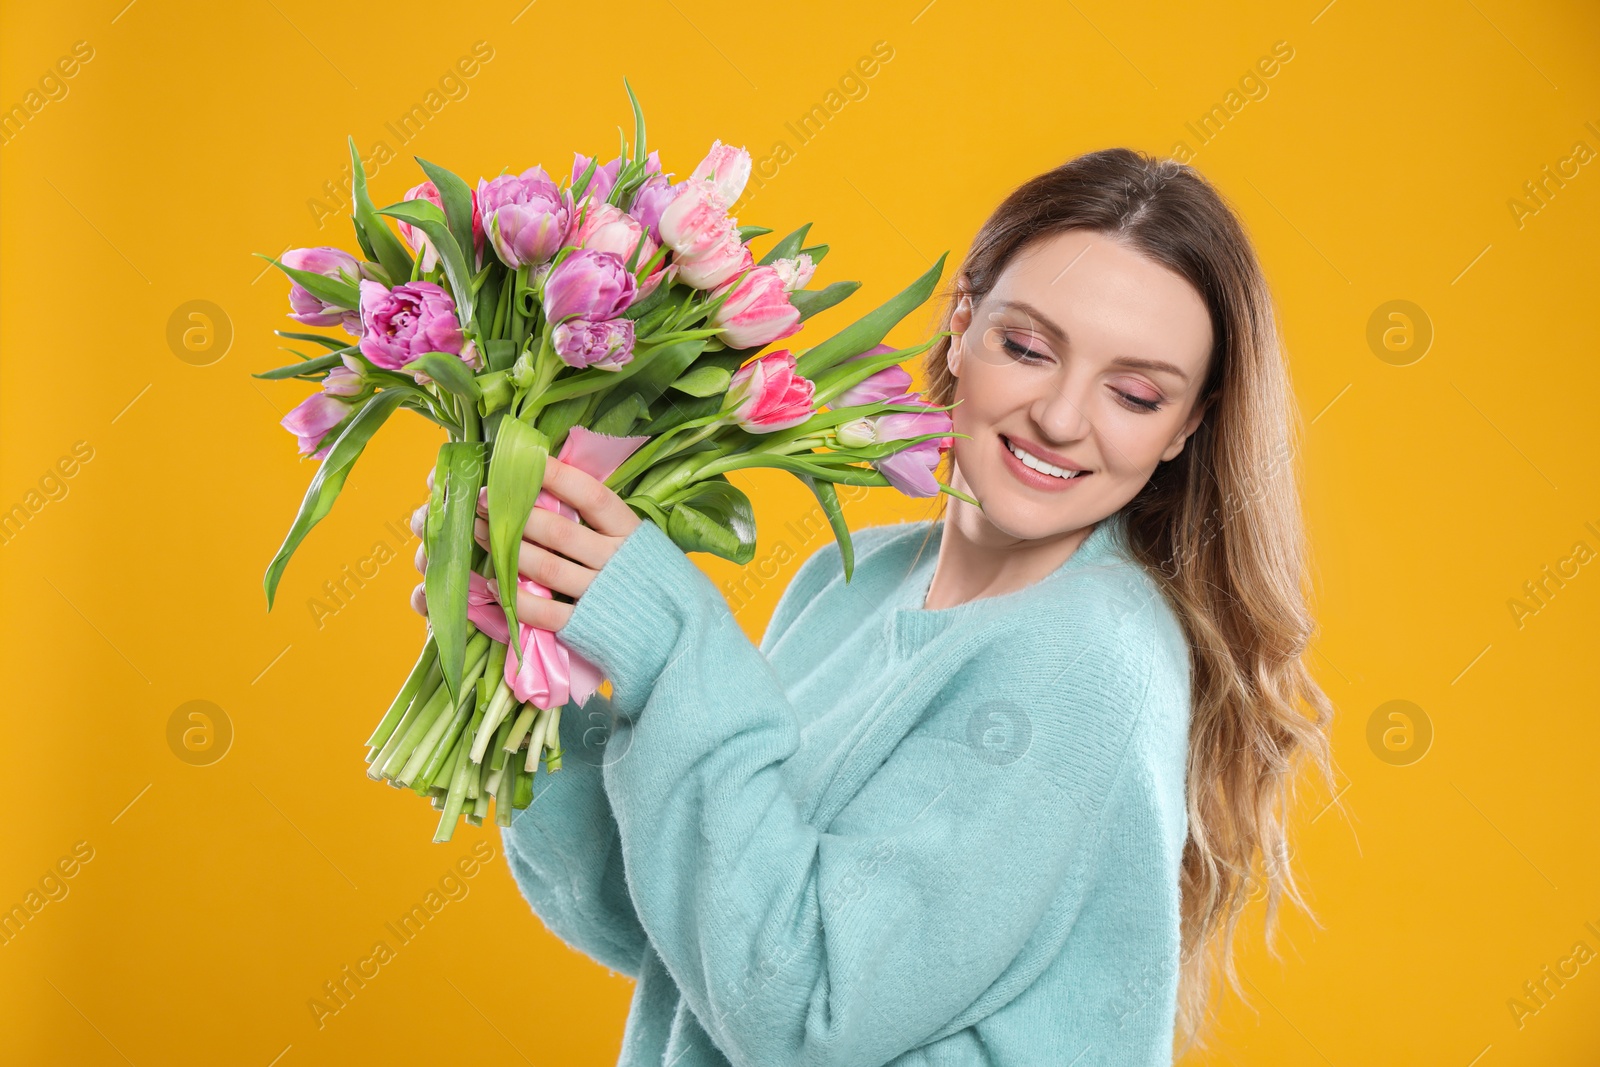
(1139, 402)
(1021, 351)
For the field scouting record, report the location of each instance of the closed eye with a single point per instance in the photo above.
(1024, 354)
(1021, 351)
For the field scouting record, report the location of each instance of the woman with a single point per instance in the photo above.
(1000, 804)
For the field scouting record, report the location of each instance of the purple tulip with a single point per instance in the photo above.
(604, 178)
(590, 284)
(342, 381)
(607, 345)
(399, 324)
(891, 381)
(311, 420)
(651, 200)
(331, 263)
(910, 470)
(525, 218)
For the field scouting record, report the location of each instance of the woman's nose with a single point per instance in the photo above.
(1062, 410)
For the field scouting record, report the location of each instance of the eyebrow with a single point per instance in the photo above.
(1059, 334)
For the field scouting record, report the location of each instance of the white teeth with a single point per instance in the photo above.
(1031, 460)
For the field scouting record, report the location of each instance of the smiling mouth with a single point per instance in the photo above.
(1033, 462)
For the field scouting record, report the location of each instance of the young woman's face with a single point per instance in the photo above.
(1090, 357)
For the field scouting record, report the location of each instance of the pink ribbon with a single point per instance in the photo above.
(550, 673)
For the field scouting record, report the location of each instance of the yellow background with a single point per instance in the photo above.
(1379, 165)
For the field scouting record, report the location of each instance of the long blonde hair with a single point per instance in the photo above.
(1219, 527)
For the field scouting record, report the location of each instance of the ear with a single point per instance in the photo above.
(960, 320)
(1190, 424)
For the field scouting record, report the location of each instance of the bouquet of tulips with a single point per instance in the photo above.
(617, 319)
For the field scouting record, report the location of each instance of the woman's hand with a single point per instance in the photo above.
(556, 551)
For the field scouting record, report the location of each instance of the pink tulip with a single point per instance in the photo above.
(399, 324)
(590, 285)
(767, 394)
(342, 381)
(757, 311)
(525, 217)
(604, 178)
(650, 200)
(311, 420)
(910, 470)
(696, 220)
(418, 240)
(727, 168)
(607, 345)
(795, 272)
(332, 263)
(891, 381)
(607, 228)
(716, 266)
(549, 673)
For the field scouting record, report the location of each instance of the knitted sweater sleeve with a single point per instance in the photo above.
(891, 929)
(564, 852)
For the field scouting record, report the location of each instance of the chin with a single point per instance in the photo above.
(1011, 514)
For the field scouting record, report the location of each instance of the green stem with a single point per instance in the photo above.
(656, 450)
(424, 675)
(520, 728)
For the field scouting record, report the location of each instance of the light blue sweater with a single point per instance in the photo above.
(888, 835)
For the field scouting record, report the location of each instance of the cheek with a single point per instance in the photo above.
(1135, 441)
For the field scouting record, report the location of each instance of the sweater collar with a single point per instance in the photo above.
(911, 625)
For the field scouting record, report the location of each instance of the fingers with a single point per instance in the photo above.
(419, 520)
(541, 612)
(541, 565)
(422, 557)
(419, 601)
(598, 505)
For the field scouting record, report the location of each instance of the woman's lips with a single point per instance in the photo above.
(1025, 474)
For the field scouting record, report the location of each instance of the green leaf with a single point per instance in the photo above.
(377, 240)
(326, 342)
(452, 375)
(812, 301)
(665, 367)
(714, 516)
(828, 497)
(579, 186)
(677, 414)
(457, 198)
(639, 153)
(329, 479)
(843, 475)
(494, 278)
(871, 328)
(556, 419)
(747, 232)
(816, 252)
(704, 380)
(501, 353)
(516, 474)
(328, 290)
(786, 248)
(836, 380)
(617, 418)
(451, 513)
(310, 366)
(640, 308)
(430, 220)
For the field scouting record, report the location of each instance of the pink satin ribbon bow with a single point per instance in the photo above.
(550, 673)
